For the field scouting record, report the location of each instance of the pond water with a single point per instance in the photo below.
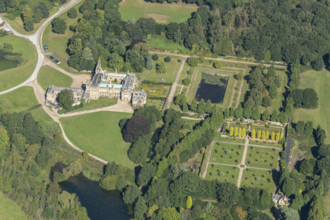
(100, 203)
(6, 64)
(207, 91)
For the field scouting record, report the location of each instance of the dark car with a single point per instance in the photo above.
(55, 60)
(45, 48)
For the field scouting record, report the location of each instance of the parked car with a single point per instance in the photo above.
(45, 48)
(54, 60)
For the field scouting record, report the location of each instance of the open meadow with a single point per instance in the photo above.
(320, 81)
(9, 210)
(222, 173)
(49, 76)
(161, 13)
(14, 76)
(99, 134)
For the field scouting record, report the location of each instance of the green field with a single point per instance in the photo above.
(227, 153)
(16, 21)
(161, 42)
(171, 67)
(57, 43)
(320, 81)
(262, 157)
(196, 79)
(190, 123)
(162, 13)
(23, 99)
(93, 104)
(48, 76)
(14, 76)
(258, 178)
(9, 210)
(99, 134)
(222, 173)
(159, 91)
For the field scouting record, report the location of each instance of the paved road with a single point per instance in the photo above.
(170, 96)
(36, 40)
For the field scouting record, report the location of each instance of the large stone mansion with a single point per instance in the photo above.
(103, 84)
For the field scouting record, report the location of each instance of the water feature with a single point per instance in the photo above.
(100, 203)
(213, 92)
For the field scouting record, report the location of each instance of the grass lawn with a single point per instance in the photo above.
(190, 123)
(93, 104)
(156, 90)
(196, 79)
(227, 153)
(320, 81)
(16, 21)
(162, 13)
(262, 157)
(57, 43)
(171, 67)
(99, 134)
(326, 200)
(9, 210)
(258, 178)
(23, 99)
(14, 76)
(161, 42)
(232, 140)
(222, 173)
(48, 76)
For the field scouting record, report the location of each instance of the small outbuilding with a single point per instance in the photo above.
(280, 199)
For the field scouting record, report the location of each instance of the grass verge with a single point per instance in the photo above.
(48, 76)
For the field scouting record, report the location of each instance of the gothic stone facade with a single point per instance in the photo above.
(105, 84)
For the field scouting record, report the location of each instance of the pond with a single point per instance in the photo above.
(9, 60)
(213, 92)
(99, 203)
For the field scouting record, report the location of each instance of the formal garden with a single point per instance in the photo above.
(222, 173)
(262, 157)
(227, 153)
(258, 178)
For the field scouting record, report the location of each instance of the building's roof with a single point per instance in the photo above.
(129, 81)
(109, 85)
(53, 88)
(139, 95)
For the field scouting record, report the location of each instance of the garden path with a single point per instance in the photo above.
(241, 169)
(208, 159)
(171, 94)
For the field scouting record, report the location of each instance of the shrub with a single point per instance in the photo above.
(167, 59)
(217, 64)
(192, 62)
(58, 26)
(186, 81)
(72, 13)
(85, 155)
(155, 57)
